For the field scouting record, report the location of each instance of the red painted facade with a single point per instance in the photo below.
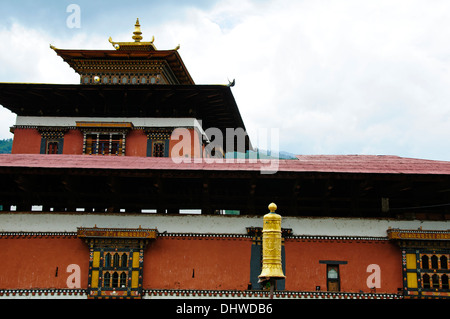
(136, 143)
(73, 142)
(210, 263)
(28, 141)
(306, 264)
(197, 263)
(34, 262)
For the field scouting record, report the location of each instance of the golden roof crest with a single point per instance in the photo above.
(137, 44)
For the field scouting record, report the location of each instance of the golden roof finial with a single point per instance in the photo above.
(137, 34)
(137, 44)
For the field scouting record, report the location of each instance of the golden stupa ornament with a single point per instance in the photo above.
(271, 264)
(137, 44)
(137, 34)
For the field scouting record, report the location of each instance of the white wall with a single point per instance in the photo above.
(206, 224)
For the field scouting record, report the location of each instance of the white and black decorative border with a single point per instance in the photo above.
(187, 293)
(199, 235)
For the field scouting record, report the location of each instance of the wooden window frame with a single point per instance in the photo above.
(49, 143)
(115, 272)
(426, 272)
(104, 143)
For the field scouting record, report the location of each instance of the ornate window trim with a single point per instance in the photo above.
(158, 142)
(52, 140)
(116, 259)
(104, 138)
(425, 262)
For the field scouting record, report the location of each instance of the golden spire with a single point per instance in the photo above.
(137, 44)
(137, 34)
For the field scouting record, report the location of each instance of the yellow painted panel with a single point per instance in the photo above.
(411, 278)
(94, 279)
(136, 259)
(135, 279)
(410, 261)
(96, 261)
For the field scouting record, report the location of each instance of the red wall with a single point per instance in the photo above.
(73, 142)
(197, 263)
(304, 272)
(26, 141)
(215, 263)
(31, 262)
(136, 143)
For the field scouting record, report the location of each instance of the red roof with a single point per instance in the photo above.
(304, 163)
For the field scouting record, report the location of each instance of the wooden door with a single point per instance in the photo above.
(333, 278)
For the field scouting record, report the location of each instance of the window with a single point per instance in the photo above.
(158, 149)
(444, 262)
(52, 147)
(52, 141)
(108, 260)
(104, 144)
(435, 281)
(116, 144)
(123, 261)
(115, 272)
(425, 264)
(123, 280)
(426, 272)
(426, 281)
(434, 262)
(91, 144)
(332, 273)
(158, 142)
(444, 280)
(107, 280)
(115, 261)
(115, 280)
(333, 278)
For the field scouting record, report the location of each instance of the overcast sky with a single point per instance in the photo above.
(334, 77)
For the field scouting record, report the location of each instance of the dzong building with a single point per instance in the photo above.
(117, 188)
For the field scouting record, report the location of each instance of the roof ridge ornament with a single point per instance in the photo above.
(137, 34)
(137, 44)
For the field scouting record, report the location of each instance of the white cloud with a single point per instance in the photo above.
(27, 58)
(334, 76)
(337, 77)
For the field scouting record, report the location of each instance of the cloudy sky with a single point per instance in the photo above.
(334, 77)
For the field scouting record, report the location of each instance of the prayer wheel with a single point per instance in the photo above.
(271, 247)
